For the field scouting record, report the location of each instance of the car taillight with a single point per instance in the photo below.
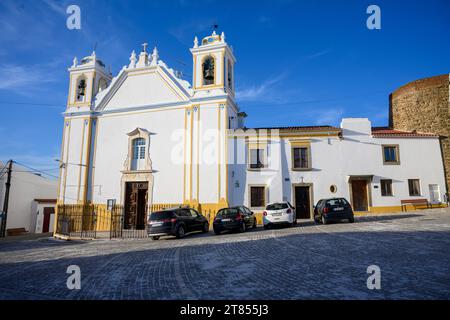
(326, 210)
(238, 217)
(289, 211)
(170, 220)
(265, 213)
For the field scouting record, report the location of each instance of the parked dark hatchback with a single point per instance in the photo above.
(235, 218)
(333, 209)
(176, 222)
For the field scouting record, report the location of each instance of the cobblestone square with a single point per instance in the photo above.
(309, 261)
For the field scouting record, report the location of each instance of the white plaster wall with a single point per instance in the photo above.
(209, 116)
(333, 160)
(25, 187)
(167, 137)
(73, 157)
(143, 89)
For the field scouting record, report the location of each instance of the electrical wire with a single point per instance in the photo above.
(34, 170)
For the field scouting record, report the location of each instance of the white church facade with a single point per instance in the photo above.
(146, 138)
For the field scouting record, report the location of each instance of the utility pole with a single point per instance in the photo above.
(6, 200)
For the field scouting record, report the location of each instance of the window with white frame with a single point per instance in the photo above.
(139, 148)
(138, 156)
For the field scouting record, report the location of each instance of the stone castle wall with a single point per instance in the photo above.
(424, 105)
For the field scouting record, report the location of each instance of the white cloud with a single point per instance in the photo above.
(265, 90)
(19, 77)
(318, 54)
(328, 116)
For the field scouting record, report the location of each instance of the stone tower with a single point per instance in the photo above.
(423, 105)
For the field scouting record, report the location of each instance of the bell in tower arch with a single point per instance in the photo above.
(208, 71)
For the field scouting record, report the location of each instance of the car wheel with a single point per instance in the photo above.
(266, 227)
(155, 238)
(324, 220)
(180, 232)
(351, 220)
(242, 227)
(217, 232)
(254, 224)
(205, 227)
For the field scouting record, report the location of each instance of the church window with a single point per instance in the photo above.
(208, 71)
(81, 89)
(139, 148)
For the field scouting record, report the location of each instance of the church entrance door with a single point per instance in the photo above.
(136, 196)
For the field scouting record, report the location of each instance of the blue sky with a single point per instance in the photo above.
(299, 62)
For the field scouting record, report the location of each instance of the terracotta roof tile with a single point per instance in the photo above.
(388, 132)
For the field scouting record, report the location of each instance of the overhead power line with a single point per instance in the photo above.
(34, 170)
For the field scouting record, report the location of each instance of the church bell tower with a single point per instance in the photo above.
(213, 67)
(88, 77)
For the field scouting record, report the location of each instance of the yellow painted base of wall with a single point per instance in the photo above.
(397, 209)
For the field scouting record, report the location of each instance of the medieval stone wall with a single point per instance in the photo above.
(424, 105)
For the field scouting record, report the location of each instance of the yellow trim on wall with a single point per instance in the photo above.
(226, 152)
(184, 153)
(61, 160)
(218, 152)
(94, 157)
(67, 159)
(198, 152)
(87, 162)
(81, 159)
(191, 154)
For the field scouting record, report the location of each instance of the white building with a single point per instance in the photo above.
(146, 138)
(32, 200)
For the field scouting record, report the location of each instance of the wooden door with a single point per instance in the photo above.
(359, 195)
(302, 202)
(48, 211)
(136, 195)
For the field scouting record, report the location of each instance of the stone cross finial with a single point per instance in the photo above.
(144, 47)
(222, 36)
(195, 42)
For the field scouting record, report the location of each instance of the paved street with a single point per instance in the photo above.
(306, 262)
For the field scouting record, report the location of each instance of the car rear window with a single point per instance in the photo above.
(161, 215)
(277, 206)
(337, 202)
(227, 213)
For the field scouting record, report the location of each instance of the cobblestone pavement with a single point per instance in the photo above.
(305, 262)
